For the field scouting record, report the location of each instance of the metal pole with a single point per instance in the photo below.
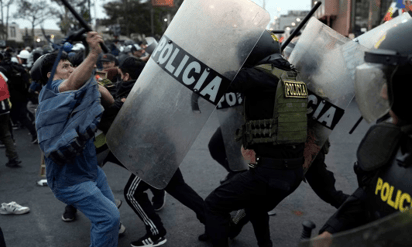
(82, 23)
(286, 43)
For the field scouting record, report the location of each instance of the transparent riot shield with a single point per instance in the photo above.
(230, 114)
(326, 61)
(367, 91)
(393, 230)
(201, 52)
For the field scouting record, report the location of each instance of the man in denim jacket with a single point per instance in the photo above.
(73, 173)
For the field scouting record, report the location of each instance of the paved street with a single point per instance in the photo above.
(43, 227)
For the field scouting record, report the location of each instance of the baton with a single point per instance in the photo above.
(83, 23)
(286, 43)
(356, 125)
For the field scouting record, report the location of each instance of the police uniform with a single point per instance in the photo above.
(275, 128)
(384, 174)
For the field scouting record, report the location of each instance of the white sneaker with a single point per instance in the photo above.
(122, 229)
(13, 208)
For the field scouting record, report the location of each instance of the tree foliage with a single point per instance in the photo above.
(67, 22)
(34, 11)
(134, 16)
(5, 24)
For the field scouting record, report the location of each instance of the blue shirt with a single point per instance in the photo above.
(83, 168)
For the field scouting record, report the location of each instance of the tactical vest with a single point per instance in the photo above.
(289, 122)
(386, 151)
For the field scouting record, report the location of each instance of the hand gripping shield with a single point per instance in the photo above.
(201, 52)
(326, 61)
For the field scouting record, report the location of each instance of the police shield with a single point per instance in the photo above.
(367, 90)
(201, 52)
(393, 230)
(230, 114)
(326, 61)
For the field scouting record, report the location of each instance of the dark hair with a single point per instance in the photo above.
(77, 58)
(48, 62)
(133, 66)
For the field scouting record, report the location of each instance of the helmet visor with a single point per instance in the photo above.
(370, 80)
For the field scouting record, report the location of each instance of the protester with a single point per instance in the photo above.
(108, 61)
(18, 82)
(73, 174)
(5, 136)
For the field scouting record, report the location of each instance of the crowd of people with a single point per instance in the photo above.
(64, 99)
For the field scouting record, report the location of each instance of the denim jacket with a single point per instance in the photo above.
(66, 121)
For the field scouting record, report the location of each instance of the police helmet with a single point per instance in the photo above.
(35, 71)
(36, 54)
(267, 45)
(390, 65)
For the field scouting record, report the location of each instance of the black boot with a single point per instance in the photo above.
(13, 163)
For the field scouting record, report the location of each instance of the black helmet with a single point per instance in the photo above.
(393, 56)
(35, 71)
(266, 46)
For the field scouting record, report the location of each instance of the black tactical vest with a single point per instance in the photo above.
(289, 122)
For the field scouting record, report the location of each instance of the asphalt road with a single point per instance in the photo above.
(43, 227)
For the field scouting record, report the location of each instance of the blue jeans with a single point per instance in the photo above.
(96, 201)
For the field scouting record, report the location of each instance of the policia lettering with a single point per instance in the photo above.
(296, 89)
(189, 71)
(230, 100)
(324, 112)
(399, 200)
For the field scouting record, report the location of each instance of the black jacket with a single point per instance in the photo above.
(18, 81)
(123, 90)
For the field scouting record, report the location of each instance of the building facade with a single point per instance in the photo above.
(352, 16)
(17, 35)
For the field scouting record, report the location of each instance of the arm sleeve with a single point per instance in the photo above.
(251, 79)
(351, 214)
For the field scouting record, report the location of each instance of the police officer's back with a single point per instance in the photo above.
(275, 128)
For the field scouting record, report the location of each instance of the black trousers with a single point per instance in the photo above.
(6, 138)
(136, 197)
(258, 191)
(322, 181)
(2, 242)
(217, 149)
(19, 112)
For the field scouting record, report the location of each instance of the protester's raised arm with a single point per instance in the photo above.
(82, 73)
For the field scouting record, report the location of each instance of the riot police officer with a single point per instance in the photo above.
(276, 129)
(384, 156)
